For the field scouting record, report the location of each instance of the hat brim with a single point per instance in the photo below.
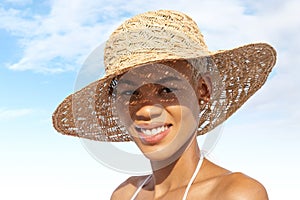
(88, 113)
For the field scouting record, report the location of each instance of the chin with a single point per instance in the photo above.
(167, 153)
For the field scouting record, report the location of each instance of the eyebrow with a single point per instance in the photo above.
(161, 81)
(169, 79)
(126, 81)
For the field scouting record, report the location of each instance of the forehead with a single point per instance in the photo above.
(162, 72)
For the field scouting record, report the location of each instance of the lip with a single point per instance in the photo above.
(152, 139)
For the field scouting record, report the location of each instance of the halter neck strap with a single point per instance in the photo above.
(193, 177)
(188, 186)
(141, 186)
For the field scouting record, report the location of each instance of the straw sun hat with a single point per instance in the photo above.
(162, 36)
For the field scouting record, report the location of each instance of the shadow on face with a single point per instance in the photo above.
(159, 106)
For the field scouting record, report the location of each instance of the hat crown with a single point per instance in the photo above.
(140, 39)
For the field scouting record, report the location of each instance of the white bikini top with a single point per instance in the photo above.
(187, 188)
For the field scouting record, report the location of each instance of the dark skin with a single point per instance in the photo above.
(214, 182)
(169, 182)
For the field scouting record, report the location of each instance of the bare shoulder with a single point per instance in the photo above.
(126, 189)
(220, 183)
(242, 187)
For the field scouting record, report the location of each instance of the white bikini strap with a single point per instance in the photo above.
(140, 187)
(188, 186)
(193, 177)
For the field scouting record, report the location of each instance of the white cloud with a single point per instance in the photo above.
(72, 30)
(9, 114)
(61, 39)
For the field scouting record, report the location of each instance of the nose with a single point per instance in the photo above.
(149, 112)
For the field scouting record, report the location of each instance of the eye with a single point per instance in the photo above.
(129, 92)
(126, 93)
(166, 90)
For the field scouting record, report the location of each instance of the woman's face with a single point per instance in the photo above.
(159, 108)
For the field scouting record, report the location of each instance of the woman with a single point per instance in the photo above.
(163, 88)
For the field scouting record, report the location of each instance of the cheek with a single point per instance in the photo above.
(188, 98)
(186, 127)
(122, 112)
(185, 117)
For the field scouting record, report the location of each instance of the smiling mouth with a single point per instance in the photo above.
(152, 135)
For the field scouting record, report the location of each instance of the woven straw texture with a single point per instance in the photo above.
(162, 36)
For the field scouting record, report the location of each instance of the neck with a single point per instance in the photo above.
(171, 176)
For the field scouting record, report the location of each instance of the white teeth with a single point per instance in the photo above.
(159, 129)
(147, 132)
(154, 131)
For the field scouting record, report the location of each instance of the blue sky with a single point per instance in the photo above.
(45, 43)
